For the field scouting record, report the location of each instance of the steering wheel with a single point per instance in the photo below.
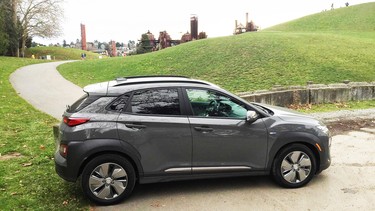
(213, 108)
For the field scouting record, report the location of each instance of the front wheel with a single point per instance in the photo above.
(108, 179)
(294, 166)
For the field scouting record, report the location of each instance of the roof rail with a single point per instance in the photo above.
(150, 82)
(149, 76)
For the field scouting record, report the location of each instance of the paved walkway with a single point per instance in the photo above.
(44, 88)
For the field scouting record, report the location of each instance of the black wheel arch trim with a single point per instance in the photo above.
(82, 154)
(286, 139)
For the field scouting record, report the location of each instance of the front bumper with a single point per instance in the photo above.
(325, 156)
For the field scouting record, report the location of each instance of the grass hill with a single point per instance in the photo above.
(359, 18)
(254, 61)
(59, 53)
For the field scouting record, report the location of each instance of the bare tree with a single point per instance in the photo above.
(39, 18)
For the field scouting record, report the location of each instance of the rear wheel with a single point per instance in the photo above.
(294, 166)
(108, 179)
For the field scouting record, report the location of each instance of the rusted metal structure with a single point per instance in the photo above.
(202, 35)
(164, 40)
(151, 38)
(149, 43)
(112, 44)
(194, 27)
(186, 37)
(248, 27)
(193, 35)
(83, 37)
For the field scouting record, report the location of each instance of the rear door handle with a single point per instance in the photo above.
(204, 129)
(135, 126)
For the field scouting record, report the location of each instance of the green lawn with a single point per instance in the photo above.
(59, 53)
(354, 18)
(247, 62)
(29, 182)
(327, 47)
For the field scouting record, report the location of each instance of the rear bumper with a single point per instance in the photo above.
(62, 170)
(60, 162)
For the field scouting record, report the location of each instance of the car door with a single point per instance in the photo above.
(152, 123)
(222, 138)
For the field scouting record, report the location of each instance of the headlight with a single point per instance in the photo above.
(324, 129)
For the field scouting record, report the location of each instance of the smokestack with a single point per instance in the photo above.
(83, 37)
(194, 27)
(247, 18)
(113, 46)
(235, 26)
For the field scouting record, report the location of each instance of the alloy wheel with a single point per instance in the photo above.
(296, 167)
(108, 181)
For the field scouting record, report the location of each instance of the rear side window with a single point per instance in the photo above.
(120, 103)
(81, 103)
(156, 101)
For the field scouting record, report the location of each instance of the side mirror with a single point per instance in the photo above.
(251, 116)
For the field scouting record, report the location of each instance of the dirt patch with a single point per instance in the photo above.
(10, 156)
(345, 126)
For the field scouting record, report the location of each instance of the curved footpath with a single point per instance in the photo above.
(44, 88)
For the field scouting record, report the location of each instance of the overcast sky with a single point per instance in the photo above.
(121, 20)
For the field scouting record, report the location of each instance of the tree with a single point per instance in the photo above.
(4, 37)
(131, 44)
(40, 18)
(118, 44)
(144, 46)
(9, 32)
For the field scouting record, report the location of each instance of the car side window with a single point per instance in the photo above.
(120, 103)
(207, 103)
(156, 101)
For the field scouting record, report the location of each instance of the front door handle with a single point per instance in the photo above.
(135, 126)
(204, 129)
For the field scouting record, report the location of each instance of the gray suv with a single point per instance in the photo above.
(151, 129)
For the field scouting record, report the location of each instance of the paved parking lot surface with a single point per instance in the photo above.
(349, 184)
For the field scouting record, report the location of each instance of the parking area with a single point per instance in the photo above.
(349, 184)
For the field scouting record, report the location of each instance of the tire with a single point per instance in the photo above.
(108, 179)
(294, 166)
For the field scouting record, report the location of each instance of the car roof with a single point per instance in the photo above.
(125, 84)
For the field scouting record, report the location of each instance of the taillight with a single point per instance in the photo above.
(63, 150)
(71, 122)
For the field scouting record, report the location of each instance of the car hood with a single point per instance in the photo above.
(287, 114)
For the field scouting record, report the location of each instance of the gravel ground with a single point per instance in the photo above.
(363, 114)
(340, 122)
